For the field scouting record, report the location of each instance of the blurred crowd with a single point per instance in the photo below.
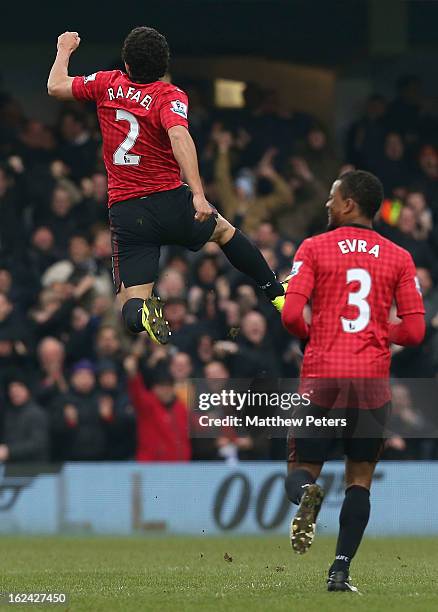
(75, 386)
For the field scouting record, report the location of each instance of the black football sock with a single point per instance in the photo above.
(294, 483)
(353, 520)
(246, 257)
(131, 313)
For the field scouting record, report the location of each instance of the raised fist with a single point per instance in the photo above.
(69, 41)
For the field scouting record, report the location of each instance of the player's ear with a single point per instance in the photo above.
(350, 205)
(127, 68)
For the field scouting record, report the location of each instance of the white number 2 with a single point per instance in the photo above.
(358, 298)
(121, 156)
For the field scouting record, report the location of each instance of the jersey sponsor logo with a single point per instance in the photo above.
(179, 108)
(417, 285)
(90, 77)
(296, 268)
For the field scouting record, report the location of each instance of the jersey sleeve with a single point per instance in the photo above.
(89, 87)
(408, 293)
(173, 109)
(303, 271)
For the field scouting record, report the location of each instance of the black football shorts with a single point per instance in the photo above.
(140, 227)
(358, 434)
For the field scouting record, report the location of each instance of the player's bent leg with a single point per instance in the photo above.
(143, 312)
(223, 231)
(359, 473)
(302, 490)
(353, 519)
(246, 257)
(136, 258)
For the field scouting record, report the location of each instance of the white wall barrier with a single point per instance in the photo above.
(203, 498)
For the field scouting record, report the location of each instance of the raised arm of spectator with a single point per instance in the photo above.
(59, 84)
(222, 174)
(142, 399)
(281, 193)
(314, 187)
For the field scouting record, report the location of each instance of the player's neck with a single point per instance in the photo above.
(361, 221)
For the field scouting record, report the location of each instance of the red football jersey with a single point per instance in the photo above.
(352, 276)
(134, 119)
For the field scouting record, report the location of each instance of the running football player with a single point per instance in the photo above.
(352, 275)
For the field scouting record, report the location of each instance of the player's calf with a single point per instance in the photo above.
(132, 315)
(247, 258)
(353, 519)
(146, 315)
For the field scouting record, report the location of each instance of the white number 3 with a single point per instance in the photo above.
(358, 298)
(121, 157)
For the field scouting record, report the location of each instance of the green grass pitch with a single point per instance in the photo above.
(181, 574)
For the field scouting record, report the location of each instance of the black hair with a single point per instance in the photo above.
(364, 188)
(82, 236)
(17, 377)
(146, 53)
(161, 376)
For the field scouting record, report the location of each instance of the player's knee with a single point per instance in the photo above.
(131, 314)
(223, 232)
(364, 482)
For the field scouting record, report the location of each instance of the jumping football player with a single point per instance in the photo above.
(146, 146)
(352, 275)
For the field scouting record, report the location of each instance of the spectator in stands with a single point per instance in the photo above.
(93, 208)
(78, 149)
(116, 410)
(403, 113)
(52, 380)
(366, 135)
(79, 421)
(61, 219)
(405, 234)
(41, 254)
(319, 155)
(184, 329)
(427, 179)
(162, 419)
(109, 344)
(239, 200)
(391, 166)
(307, 214)
(25, 426)
(423, 215)
(181, 370)
(10, 214)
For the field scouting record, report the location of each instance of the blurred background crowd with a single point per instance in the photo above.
(75, 386)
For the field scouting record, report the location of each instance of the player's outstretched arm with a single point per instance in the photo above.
(59, 84)
(184, 151)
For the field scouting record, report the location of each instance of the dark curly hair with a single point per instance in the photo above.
(146, 53)
(364, 188)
